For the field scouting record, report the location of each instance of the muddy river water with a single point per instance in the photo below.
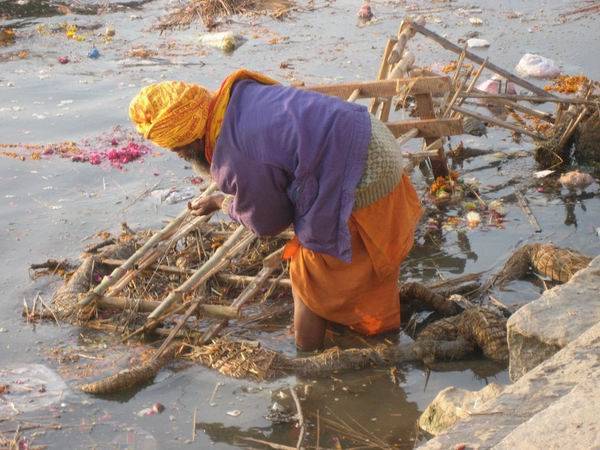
(51, 207)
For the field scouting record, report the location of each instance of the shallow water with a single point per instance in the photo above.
(52, 207)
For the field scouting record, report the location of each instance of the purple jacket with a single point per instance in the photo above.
(292, 156)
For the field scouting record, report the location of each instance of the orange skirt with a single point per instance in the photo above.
(363, 294)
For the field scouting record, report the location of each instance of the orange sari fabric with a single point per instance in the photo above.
(362, 295)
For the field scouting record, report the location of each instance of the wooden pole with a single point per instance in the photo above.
(424, 109)
(163, 234)
(382, 74)
(500, 123)
(475, 58)
(527, 211)
(472, 82)
(354, 96)
(529, 98)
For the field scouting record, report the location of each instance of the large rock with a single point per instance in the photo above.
(571, 422)
(453, 404)
(541, 328)
(564, 381)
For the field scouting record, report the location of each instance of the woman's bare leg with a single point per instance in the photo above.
(309, 329)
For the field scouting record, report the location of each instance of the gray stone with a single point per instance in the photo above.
(571, 422)
(453, 404)
(541, 328)
(492, 422)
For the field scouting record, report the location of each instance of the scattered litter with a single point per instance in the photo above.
(474, 127)
(155, 409)
(497, 85)
(475, 21)
(234, 413)
(226, 40)
(172, 196)
(537, 66)
(365, 13)
(94, 53)
(576, 180)
(63, 59)
(279, 414)
(543, 173)
(567, 84)
(29, 387)
(7, 37)
(473, 219)
(141, 52)
(477, 43)
(497, 207)
(109, 32)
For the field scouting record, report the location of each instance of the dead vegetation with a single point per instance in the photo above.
(210, 11)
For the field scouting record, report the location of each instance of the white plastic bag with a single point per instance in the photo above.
(537, 66)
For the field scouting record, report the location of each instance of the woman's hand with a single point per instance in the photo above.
(206, 205)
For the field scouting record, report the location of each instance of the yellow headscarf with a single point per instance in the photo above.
(172, 113)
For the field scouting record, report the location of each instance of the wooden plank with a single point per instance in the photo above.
(429, 128)
(384, 88)
(424, 109)
(473, 57)
(383, 71)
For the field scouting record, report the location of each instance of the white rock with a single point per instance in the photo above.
(226, 40)
(453, 404)
(477, 43)
(537, 66)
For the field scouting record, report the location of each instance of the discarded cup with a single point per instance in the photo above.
(94, 53)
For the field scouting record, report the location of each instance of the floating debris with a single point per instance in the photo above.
(537, 66)
(576, 180)
(567, 84)
(7, 37)
(209, 11)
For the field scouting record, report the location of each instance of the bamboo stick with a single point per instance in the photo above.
(410, 134)
(226, 277)
(500, 123)
(461, 60)
(473, 57)
(141, 305)
(527, 211)
(472, 82)
(235, 242)
(119, 272)
(354, 96)
(161, 267)
(528, 98)
(452, 101)
(509, 104)
(270, 264)
(244, 279)
(383, 69)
